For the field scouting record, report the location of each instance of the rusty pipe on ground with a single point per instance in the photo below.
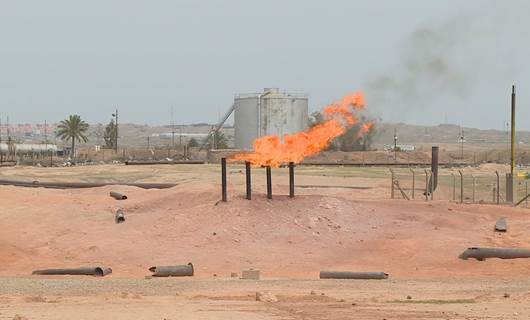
(291, 179)
(248, 174)
(118, 196)
(120, 216)
(85, 271)
(482, 254)
(269, 182)
(82, 185)
(173, 271)
(353, 275)
(154, 162)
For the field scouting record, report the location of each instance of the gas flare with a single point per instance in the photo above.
(365, 128)
(339, 116)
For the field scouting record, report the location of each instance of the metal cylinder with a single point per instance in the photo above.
(434, 167)
(269, 182)
(248, 173)
(223, 179)
(501, 253)
(89, 271)
(291, 179)
(353, 275)
(118, 196)
(173, 271)
(120, 216)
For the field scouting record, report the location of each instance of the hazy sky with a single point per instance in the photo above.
(419, 61)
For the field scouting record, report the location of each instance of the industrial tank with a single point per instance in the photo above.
(269, 113)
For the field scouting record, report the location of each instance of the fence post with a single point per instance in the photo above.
(461, 186)
(454, 186)
(474, 182)
(392, 184)
(426, 185)
(498, 186)
(413, 182)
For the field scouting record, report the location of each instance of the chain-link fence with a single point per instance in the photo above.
(469, 185)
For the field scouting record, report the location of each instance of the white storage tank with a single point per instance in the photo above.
(269, 113)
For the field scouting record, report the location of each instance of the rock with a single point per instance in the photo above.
(409, 298)
(266, 296)
(233, 275)
(313, 293)
(506, 295)
(19, 317)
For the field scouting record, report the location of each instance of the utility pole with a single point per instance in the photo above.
(45, 132)
(115, 115)
(172, 130)
(148, 146)
(462, 143)
(395, 144)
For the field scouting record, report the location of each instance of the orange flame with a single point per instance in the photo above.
(271, 151)
(365, 128)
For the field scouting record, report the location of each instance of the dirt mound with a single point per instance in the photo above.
(283, 238)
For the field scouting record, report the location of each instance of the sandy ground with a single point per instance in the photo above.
(350, 227)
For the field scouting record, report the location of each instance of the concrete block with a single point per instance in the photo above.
(250, 274)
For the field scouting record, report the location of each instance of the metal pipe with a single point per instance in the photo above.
(90, 271)
(223, 179)
(120, 216)
(482, 254)
(173, 271)
(353, 275)
(291, 179)
(82, 185)
(154, 162)
(248, 173)
(512, 145)
(260, 96)
(461, 186)
(118, 196)
(269, 182)
(434, 167)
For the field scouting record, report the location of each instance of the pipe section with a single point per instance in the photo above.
(434, 167)
(223, 180)
(118, 196)
(291, 179)
(90, 271)
(249, 180)
(269, 182)
(153, 162)
(482, 254)
(82, 185)
(353, 275)
(120, 216)
(173, 271)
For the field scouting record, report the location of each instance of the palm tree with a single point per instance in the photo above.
(73, 128)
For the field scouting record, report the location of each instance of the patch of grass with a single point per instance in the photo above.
(435, 301)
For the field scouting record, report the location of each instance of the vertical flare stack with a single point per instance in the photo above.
(269, 182)
(512, 157)
(291, 179)
(249, 180)
(223, 179)
(434, 167)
